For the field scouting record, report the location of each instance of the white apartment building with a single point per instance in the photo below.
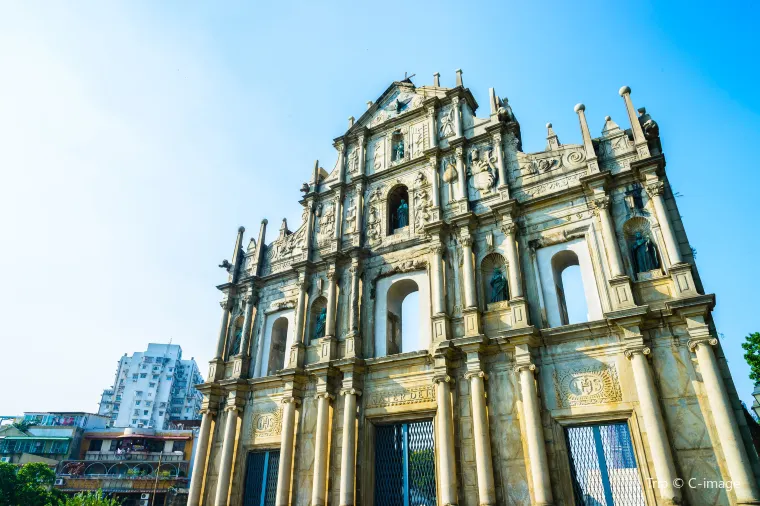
(152, 389)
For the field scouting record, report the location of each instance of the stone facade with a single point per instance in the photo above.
(426, 197)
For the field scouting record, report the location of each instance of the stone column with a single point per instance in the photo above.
(332, 279)
(228, 450)
(639, 141)
(534, 435)
(362, 154)
(435, 183)
(321, 447)
(470, 297)
(353, 306)
(436, 272)
(250, 302)
(348, 451)
(602, 207)
(457, 116)
(286, 450)
(483, 460)
(431, 113)
(445, 440)
(462, 177)
(655, 426)
(496, 139)
(588, 146)
(199, 464)
(515, 282)
(222, 339)
(655, 190)
(734, 452)
(297, 349)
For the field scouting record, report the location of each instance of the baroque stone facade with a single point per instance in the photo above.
(508, 357)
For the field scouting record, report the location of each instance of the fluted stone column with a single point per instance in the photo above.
(534, 435)
(470, 296)
(332, 278)
(445, 432)
(656, 190)
(250, 304)
(284, 475)
(431, 113)
(228, 451)
(665, 471)
(515, 283)
(348, 451)
(199, 464)
(602, 205)
(500, 166)
(480, 426)
(222, 339)
(437, 279)
(734, 452)
(457, 116)
(462, 177)
(319, 485)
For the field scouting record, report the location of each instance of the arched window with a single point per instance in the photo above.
(403, 332)
(317, 319)
(398, 148)
(570, 290)
(236, 337)
(494, 276)
(279, 342)
(398, 209)
(645, 257)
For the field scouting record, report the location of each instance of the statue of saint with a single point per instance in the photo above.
(319, 326)
(402, 214)
(237, 338)
(498, 286)
(644, 254)
(398, 150)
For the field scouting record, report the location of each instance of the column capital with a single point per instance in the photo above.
(291, 400)
(655, 188)
(693, 343)
(473, 374)
(509, 228)
(233, 407)
(459, 151)
(442, 378)
(351, 391)
(208, 411)
(630, 351)
(431, 111)
(601, 202)
(525, 367)
(226, 303)
(325, 395)
(332, 274)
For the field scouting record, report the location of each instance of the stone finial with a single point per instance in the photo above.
(265, 222)
(610, 126)
(241, 229)
(552, 141)
(350, 121)
(437, 80)
(369, 104)
(639, 141)
(625, 90)
(579, 107)
(459, 77)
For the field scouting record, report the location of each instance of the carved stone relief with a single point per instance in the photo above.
(447, 123)
(587, 385)
(401, 396)
(266, 423)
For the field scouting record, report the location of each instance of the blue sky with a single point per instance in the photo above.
(137, 136)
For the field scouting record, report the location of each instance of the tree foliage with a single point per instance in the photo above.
(90, 499)
(31, 485)
(751, 347)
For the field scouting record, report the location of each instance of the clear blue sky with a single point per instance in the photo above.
(135, 137)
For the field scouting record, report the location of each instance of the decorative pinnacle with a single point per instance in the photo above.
(264, 221)
(241, 229)
(608, 118)
(548, 125)
(624, 90)
(579, 107)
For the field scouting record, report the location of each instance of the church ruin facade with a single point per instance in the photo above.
(459, 322)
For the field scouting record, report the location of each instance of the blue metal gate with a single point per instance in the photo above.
(603, 466)
(261, 478)
(405, 464)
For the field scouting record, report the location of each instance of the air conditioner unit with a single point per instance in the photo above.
(59, 481)
(5, 459)
(144, 496)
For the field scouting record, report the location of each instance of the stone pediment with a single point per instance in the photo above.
(399, 99)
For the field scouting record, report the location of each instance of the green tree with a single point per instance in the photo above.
(90, 499)
(31, 485)
(751, 347)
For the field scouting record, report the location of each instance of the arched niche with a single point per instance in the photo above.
(494, 279)
(642, 248)
(398, 209)
(317, 319)
(392, 317)
(568, 281)
(277, 338)
(398, 146)
(235, 337)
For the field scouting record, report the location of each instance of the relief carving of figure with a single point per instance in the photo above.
(483, 171)
(421, 210)
(644, 254)
(498, 286)
(398, 147)
(353, 161)
(447, 124)
(504, 112)
(327, 221)
(373, 225)
(351, 217)
(378, 157)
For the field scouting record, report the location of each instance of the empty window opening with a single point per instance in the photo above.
(568, 282)
(279, 342)
(403, 331)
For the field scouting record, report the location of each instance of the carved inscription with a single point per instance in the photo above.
(401, 396)
(266, 423)
(552, 186)
(587, 385)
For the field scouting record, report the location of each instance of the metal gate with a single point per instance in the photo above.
(603, 466)
(405, 464)
(261, 478)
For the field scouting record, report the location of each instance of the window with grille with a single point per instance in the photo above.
(261, 478)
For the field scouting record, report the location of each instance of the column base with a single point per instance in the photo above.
(683, 280)
(622, 295)
(240, 366)
(471, 322)
(215, 370)
(519, 312)
(297, 356)
(328, 348)
(440, 327)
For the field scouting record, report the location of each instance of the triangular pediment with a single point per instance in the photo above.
(398, 99)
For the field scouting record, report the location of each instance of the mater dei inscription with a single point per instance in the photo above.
(401, 396)
(587, 385)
